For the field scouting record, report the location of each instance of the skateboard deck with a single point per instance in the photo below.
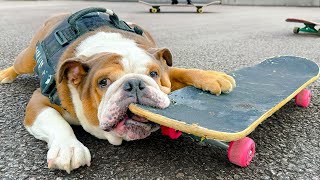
(309, 25)
(302, 21)
(199, 4)
(261, 90)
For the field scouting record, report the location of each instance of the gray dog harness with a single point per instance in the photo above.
(49, 51)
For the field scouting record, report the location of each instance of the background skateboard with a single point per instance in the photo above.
(199, 4)
(261, 90)
(309, 26)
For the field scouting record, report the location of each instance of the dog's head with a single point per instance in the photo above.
(106, 83)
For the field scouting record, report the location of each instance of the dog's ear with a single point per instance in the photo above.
(162, 54)
(73, 70)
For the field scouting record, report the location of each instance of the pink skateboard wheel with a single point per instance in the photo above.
(241, 152)
(303, 98)
(172, 133)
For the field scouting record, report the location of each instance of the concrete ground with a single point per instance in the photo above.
(224, 38)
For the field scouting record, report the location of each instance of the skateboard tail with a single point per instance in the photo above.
(296, 20)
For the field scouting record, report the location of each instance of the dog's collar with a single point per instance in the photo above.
(49, 51)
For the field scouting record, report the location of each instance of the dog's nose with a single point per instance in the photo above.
(134, 85)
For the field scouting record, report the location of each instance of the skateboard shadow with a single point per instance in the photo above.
(306, 35)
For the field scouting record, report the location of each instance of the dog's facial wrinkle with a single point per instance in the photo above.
(115, 112)
(113, 108)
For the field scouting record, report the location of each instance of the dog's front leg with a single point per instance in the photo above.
(213, 81)
(44, 121)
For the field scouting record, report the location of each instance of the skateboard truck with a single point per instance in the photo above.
(309, 28)
(240, 152)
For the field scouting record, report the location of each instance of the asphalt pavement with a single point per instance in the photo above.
(223, 38)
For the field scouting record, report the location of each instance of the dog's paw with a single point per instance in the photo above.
(8, 75)
(68, 155)
(216, 82)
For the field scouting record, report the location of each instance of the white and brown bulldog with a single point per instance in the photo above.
(98, 76)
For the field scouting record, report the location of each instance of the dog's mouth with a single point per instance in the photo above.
(133, 127)
(123, 123)
(114, 114)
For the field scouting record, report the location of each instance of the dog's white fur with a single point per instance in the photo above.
(134, 58)
(94, 130)
(65, 151)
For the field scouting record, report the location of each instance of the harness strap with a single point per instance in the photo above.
(49, 51)
(64, 36)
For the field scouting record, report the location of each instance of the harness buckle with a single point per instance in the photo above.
(62, 40)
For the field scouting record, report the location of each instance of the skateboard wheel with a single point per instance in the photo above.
(153, 10)
(172, 133)
(199, 10)
(303, 98)
(296, 30)
(241, 152)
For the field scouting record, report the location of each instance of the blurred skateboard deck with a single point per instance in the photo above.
(261, 90)
(199, 4)
(296, 20)
(308, 28)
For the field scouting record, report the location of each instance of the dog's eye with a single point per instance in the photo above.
(103, 83)
(153, 74)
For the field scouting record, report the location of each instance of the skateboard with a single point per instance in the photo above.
(261, 90)
(309, 26)
(195, 3)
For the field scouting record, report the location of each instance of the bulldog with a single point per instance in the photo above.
(97, 76)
